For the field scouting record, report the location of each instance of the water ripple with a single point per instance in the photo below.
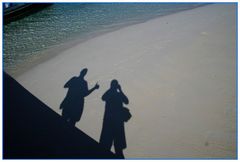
(62, 22)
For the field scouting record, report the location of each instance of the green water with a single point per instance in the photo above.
(62, 22)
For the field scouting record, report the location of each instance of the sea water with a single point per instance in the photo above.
(63, 22)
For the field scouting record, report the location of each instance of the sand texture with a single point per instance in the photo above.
(178, 72)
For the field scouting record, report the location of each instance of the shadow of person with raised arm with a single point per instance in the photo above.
(115, 115)
(73, 103)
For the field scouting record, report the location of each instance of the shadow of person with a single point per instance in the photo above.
(114, 117)
(73, 103)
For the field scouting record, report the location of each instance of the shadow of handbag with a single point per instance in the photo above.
(126, 114)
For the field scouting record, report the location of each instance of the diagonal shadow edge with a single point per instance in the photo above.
(33, 130)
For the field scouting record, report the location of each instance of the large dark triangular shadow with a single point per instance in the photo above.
(32, 130)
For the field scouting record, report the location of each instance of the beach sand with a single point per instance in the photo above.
(178, 72)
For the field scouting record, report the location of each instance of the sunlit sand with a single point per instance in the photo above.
(178, 72)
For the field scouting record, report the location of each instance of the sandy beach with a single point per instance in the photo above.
(178, 72)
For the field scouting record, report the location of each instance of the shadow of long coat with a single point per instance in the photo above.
(113, 123)
(73, 103)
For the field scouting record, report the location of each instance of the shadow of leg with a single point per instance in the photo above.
(119, 153)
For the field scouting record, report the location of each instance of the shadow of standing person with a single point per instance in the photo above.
(114, 117)
(73, 103)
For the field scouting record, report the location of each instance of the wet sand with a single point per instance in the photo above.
(178, 72)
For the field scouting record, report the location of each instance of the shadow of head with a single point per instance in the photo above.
(83, 72)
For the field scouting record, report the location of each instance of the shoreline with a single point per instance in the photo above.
(55, 50)
(178, 72)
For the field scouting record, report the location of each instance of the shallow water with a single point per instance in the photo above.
(62, 22)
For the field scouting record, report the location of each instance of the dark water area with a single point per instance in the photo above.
(62, 22)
